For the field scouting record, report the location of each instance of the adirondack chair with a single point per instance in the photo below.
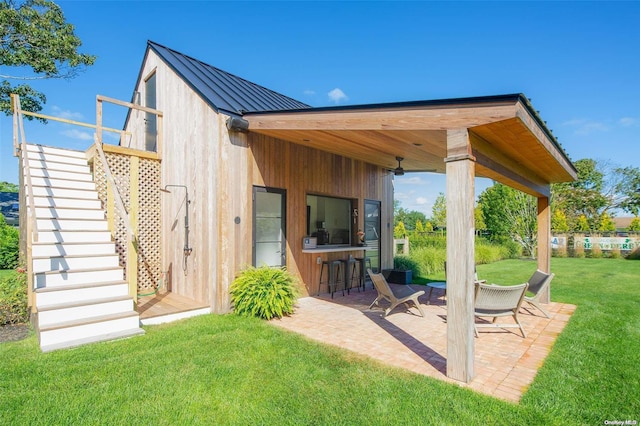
(394, 297)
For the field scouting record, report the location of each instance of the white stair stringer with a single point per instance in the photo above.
(80, 294)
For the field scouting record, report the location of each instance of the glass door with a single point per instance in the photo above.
(269, 225)
(372, 232)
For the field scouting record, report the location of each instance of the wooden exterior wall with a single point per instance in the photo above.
(219, 169)
(301, 171)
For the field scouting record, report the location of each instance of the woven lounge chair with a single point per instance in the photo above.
(538, 284)
(499, 301)
(400, 295)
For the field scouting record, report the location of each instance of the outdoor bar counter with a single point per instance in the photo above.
(331, 254)
(333, 248)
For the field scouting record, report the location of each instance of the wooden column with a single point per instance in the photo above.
(460, 168)
(544, 242)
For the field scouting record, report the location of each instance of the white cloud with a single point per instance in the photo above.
(77, 134)
(337, 95)
(57, 112)
(421, 201)
(585, 127)
(629, 121)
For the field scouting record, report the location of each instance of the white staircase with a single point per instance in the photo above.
(80, 294)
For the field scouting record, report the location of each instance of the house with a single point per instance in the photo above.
(215, 173)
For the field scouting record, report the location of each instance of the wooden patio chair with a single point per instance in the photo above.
(538, 284)
(496, 301)
(394, 297)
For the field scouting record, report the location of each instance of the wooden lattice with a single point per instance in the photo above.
(148, 218)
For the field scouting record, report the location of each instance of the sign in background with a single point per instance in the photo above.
(604, 243)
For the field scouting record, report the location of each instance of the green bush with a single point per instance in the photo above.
(405, 263)
(13, 298)
(264, 292)
(430, 260)
(9, 245)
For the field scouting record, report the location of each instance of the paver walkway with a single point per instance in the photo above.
(505, 363)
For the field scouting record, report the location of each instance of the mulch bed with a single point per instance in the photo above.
(13, 332)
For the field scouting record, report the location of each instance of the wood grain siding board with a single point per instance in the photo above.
(303, 170)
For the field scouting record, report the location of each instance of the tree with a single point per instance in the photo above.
(634, 225)
(606, 223)
(399, 231)
(509, 212)
(628, 188)
(9, 187)
(583, 224)
(419, 226)
(439, 211)
(559, 221)
(36, 39)
(584, 197)
(479, 218)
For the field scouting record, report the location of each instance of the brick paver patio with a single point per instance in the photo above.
(505, 363)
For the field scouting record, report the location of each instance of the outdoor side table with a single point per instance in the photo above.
(436, 284)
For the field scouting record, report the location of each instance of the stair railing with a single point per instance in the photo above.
(31, 225)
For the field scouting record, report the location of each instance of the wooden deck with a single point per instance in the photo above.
(169, 305)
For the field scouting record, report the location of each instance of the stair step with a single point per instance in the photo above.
(67, 202)
(72, 224)
(71, 236)
(48, 191)
(61, 313)
(55, 150)
(61, 174)
(40, 164)
(69, 213)
(63, 183)
(66, 263)
(79, 293)
(64, 278)
(76, 333)
(56, 158)
(72, 249)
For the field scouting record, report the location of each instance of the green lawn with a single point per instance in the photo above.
(5, 272)
(229, 370)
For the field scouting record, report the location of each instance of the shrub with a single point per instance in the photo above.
(13, 298)
(9, 245)
(405, 263)
(428, 259)
(264, 292)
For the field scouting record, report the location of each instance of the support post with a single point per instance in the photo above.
(460, 169)
(544, 242)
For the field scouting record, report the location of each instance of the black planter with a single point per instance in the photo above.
(398, 277)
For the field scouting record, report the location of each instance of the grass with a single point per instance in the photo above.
(223, 369)
(5, 272)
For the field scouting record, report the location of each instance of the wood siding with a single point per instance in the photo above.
(302, 171)
(219, 169)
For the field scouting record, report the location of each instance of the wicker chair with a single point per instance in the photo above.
(402, 295)
(538, 284)
(499, 301)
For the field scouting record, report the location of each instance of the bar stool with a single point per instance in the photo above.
(349, 273)
(333, 271)
(364, 262)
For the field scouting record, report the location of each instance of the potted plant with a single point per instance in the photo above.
(402, 272)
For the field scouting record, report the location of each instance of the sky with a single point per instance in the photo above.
(578, 62)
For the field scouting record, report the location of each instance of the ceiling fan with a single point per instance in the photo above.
(399, 171)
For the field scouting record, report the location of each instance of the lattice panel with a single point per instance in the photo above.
(149, 225)
(149, 215)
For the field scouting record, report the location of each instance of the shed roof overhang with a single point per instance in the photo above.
(509, 141)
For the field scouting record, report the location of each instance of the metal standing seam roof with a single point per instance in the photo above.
(225, 92)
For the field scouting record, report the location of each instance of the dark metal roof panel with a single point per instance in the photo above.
(224, 91)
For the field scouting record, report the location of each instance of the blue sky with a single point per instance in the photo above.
(579, 62)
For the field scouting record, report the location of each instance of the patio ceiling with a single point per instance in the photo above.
(510, 142)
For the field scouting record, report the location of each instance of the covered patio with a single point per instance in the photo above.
(505, 363)
(498, 137)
